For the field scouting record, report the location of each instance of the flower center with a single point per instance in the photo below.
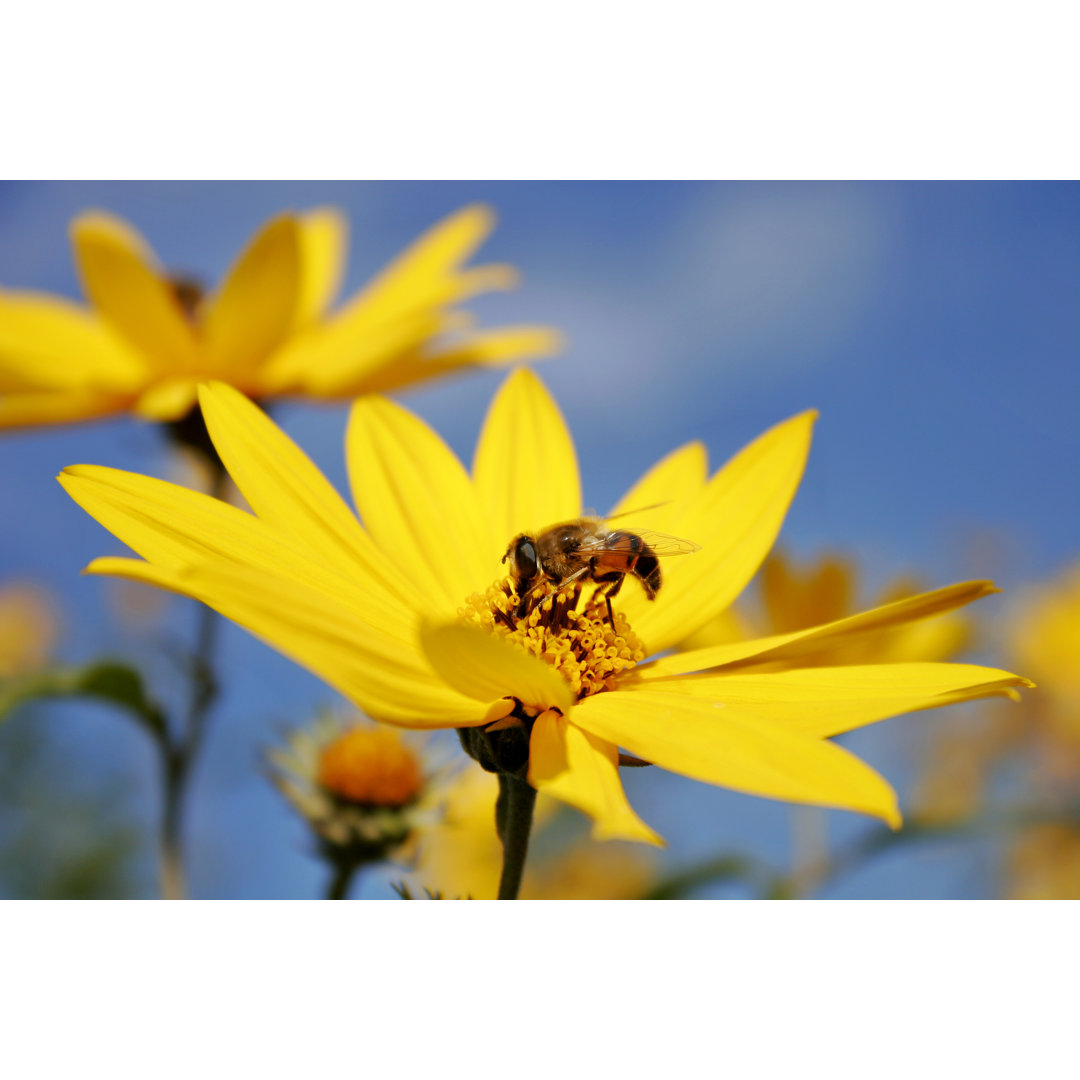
(567, 628)
(188, 292)
(370, 766)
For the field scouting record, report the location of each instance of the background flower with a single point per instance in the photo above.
(789, 597)
(1013, 773)
(28, 627)
(150, 335)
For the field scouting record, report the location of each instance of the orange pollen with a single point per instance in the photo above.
(567, 627)
(371, 766)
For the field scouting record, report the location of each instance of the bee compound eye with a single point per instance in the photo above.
(525, 560)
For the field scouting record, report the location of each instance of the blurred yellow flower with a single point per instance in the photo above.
(148, 339)
(1044, 864)
(401, 615)
(958, 765)
(27, 628)
(793, 598)
(1044, 633)
(1041, 633)
(1037, 746)
(461, 855)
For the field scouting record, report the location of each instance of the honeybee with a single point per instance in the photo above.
(587, 550)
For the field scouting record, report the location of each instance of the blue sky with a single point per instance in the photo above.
(934, 325)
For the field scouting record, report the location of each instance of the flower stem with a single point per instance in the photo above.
(341, 880)
(181, 751)
(514, 815)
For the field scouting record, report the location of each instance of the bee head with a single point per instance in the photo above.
(526, 564)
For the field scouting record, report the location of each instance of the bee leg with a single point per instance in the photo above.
(609, 592)
(527, 599)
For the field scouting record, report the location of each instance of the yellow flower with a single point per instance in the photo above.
(392, 612)
(1039, 741)
(1044, 864)
(792, 598)
(1045, 634)
(148, 340)
(27, 629)
(460, 855)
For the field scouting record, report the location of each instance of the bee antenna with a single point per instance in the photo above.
(637, 510)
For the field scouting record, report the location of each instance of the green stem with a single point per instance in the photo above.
(180, 752)
(341, 880)
(517, 798)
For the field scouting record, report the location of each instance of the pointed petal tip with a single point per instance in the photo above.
(643, 835)
(549, 342)
(326, 210)
(481, 211)
(524, 375)
(806, 416)
(496, 276)
(73, 472)
(92, 219)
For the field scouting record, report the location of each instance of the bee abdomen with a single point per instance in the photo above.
(647, 570)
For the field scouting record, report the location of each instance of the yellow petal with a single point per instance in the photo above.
(583, 770)
(525, 468)
(729, 627)
(481, 666)
(50, 344)
(255, 308)
(418, 363)
(390, 322)
(324, 236)
(794, 600)
(498, 347)
(735, 520)
(63, 407)
(662, 493)
(418, 504)
(721, 745)
(331, 639)
(934, 639)
(284, 487)
(176, 528)
(122, 280)
(335, 358)
(814, 639)
(429, 260)
(169, 399)
(824, 701)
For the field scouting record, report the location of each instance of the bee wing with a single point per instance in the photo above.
(662, 544)
(658, 543)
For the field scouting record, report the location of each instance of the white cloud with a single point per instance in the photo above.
(780, 274)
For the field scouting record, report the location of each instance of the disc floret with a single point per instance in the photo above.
(568, 628)
(361, 789)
